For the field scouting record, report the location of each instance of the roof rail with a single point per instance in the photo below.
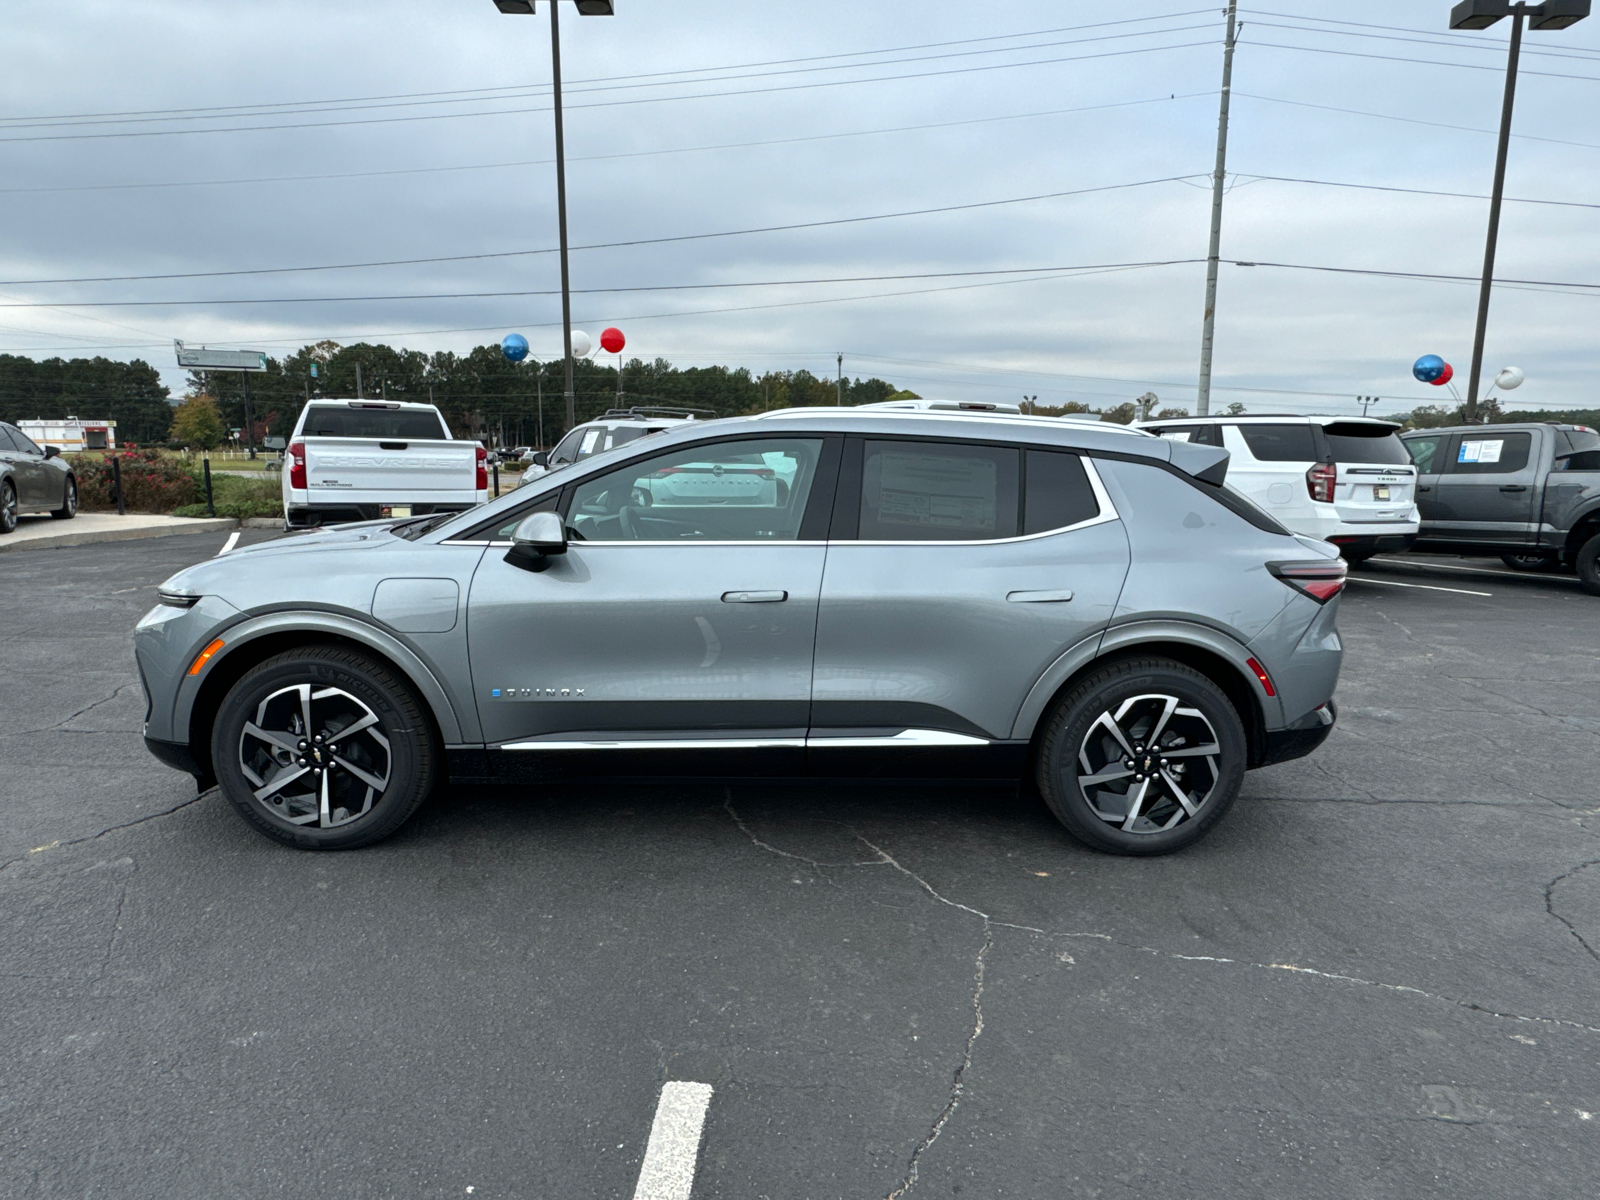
(652, 410)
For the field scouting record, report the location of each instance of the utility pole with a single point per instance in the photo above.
(841, 379)
(1203, 399)
(1518, 11)
(358, 381)
(561, 209)
(249, 420)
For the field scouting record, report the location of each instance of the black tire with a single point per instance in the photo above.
(8, 507)
(69, 502)
(1588, 565)
(1161, 825)
(1531, 562)
(336, 685)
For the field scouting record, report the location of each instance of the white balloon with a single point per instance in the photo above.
(581, 345)
(1510, 379)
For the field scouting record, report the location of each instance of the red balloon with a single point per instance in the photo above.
(611, 340)
(1444, 376)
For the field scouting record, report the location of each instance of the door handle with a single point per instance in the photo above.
(754, 597)
(1513, 487)
(1050, 597)
(1426, 487)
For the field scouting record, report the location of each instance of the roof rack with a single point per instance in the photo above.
(651, 410)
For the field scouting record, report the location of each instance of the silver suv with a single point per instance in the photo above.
(1084, 608)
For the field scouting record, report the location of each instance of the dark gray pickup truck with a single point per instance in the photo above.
(1529, 493)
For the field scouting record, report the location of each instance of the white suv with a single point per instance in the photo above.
(617, 427)
(1347, 480)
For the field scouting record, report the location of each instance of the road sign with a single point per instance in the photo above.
(221, 360)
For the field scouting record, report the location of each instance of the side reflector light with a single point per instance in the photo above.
(1261, 674)
(205, 656)
(1322, 579)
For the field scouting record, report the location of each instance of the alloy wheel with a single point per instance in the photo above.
(315, 756)
(1150, 765)
(8, 508)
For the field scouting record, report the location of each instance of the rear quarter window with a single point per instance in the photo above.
(1056, 492)
(1280, 443)
(1365, 444)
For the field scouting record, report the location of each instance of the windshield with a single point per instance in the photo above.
(1366, 444)
(327, 420)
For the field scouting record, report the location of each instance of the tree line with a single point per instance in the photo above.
(129, 393)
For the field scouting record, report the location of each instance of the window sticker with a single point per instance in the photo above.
(590, 437)
(1480, 451)
(922, 489)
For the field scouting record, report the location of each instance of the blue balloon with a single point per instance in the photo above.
(1428, 368)
(514, 347)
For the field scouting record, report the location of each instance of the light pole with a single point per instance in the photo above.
(1480, 14)
(586, 8)
(1030, 404)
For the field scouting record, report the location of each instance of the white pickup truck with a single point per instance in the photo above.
(361, 460)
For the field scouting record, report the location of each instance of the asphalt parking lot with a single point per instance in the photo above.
(1378, 978)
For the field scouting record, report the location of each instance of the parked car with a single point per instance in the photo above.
(33, 480)
(1527, 492)
(1346, 480)
(618, 427)
(357, 460)
(1086, 609)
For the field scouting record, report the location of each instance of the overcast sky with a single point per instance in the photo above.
(374, 130)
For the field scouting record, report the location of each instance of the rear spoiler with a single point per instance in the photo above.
(1208, 464)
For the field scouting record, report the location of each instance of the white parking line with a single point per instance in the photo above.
(1433, 566)
(233, 540)
(667, 1172)
(1424, 586)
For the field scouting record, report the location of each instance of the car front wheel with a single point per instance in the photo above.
(324, 749)
(8, 506)
(1142, 757)
(1531, 562)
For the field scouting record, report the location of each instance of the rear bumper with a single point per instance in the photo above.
(308, 516)
(1302, 737)
(1362, 545)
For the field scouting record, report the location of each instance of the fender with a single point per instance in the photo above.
(417, 671)
(1131, 636)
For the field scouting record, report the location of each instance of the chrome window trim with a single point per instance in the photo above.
(906, 737)
(1108, 512)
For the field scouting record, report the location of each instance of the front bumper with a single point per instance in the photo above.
(179, 757)
(1302, 737)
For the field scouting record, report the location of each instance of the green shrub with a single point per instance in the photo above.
(238, 496)
(151, 481)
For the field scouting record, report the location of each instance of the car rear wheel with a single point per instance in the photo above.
(8, 507)
(1142, 757)
(1588, 565)
(69, 502)
(1531, 562)
(323, 749)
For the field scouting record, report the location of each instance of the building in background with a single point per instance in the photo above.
(69, 434)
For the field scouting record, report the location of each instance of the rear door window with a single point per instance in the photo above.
(1056, 492)
(1280, 443)
(1491, 454)
(1358, 444)
(7, 444)
(330, 420)
(938, 491)
(1424, 451)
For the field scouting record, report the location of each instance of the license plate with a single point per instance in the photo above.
(396, 510)
(1380, 492)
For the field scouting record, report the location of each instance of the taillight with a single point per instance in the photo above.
(483, 469)
(1322, 580)
(297, 465)
(1320, 480)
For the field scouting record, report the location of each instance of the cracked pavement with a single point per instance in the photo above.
(1377, 978)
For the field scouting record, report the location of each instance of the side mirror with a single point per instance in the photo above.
(541, 459)
(52, 452)
(539, 537)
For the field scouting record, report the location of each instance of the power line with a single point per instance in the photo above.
(608, 103)
(1578, 289)
(1456, 38)
(1451, 42)
(539, 90)
(1356, 112)
(665, 287)
(1375, 187)
(686, 237)
(1429, 62)
(613, 78)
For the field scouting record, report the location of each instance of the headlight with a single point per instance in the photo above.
(177, 599)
